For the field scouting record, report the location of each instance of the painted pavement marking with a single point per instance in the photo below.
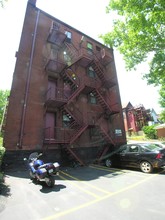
(108, 195)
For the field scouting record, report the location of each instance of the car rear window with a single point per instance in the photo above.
(150, 147)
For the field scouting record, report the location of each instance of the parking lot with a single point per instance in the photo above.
(94, 192)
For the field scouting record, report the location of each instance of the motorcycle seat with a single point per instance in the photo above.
(42, 166)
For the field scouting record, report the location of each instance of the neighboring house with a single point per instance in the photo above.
(160, 130)
(135, 117)
(154, 117)
(129, 118)
(65, 95)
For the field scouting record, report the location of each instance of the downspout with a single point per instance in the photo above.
(28, 83)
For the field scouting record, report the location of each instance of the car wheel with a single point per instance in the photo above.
(146, 167)
(108, 163)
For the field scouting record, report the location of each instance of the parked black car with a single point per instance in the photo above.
(145, 156)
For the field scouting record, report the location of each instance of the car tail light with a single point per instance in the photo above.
(159, 156)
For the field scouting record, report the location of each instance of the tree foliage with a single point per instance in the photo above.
(162, 116)
(162, 95)
(139, 33)
(3, 101)
(150, 131)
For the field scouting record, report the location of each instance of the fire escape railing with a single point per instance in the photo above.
(56, 94)
(56, 135)
(72, 51)
(55, 66)
(104, 57)
(107, 135)
(102, 101)
(56, 36)
(77, 125)
(87, 58)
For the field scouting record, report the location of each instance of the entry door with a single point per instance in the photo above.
(67, 90)
(50, 125)
(52, 87)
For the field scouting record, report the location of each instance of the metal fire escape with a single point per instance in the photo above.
(67, 71)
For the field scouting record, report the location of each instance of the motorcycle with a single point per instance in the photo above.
(41, 171)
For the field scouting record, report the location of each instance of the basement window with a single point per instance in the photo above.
(68, 36)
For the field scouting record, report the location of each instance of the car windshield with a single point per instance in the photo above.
(151, 147)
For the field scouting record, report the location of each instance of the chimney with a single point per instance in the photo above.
(33, 2)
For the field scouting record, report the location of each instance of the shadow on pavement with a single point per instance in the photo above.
(56, 188)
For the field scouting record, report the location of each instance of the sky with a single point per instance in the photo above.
(88, 16)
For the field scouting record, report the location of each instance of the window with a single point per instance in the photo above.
(67, 58)
(122, 149)
(68, 36)
(55, 26)
(92, 98)
(91, 72)
(98, 48)
(90, 48)
(66, 119)
(133, 149)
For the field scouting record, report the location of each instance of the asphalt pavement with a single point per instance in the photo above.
(93, 192)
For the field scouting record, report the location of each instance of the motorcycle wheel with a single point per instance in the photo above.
(50, 181)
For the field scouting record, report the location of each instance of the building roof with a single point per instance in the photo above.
(127, 105)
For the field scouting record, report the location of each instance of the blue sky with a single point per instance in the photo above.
(94, 23)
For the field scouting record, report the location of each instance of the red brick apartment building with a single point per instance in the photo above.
(65, 97)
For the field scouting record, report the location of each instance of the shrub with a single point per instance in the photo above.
(2, 151)
(150, 131)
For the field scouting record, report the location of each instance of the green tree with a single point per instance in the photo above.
(150, 131)
(139, 33)
(162, 95)
(162, 116)
(3, 101)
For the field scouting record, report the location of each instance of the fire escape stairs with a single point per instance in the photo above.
(80, 129)
(78, 125)
(73, 82)
(75, 93)
(74, 155)
(71, 50)
(102, 101)
(106, 135)
(78, 119)
(98, 70)
(102, 153)
(67, 78)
